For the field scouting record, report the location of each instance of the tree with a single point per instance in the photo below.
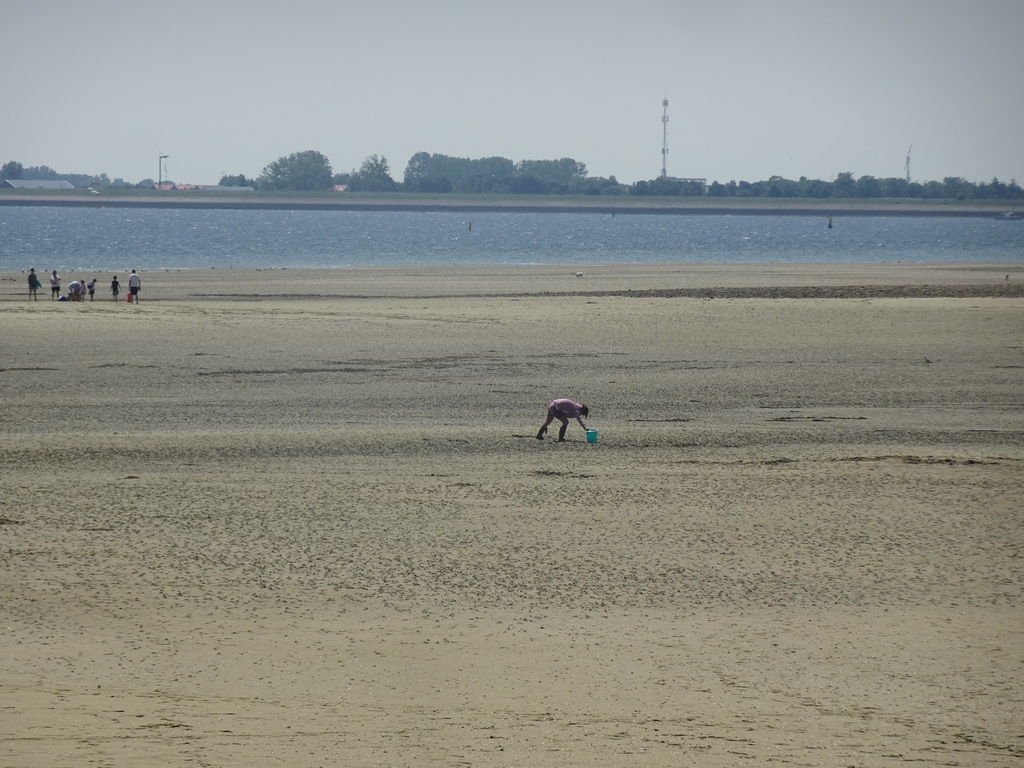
(718, 189)
(500, 169)
(487, 175)
(11, 170)
(597, 185)
(777, 186)
(433, 173)
(868, 186)
(528, 185)
(894, 187)
(844, 185)
(551, 176)
(429, 184)
(418, 169)
(40, 172)
(236, 181)
(307, 171)
(957, 188)
(422, 176)
(374, 175)
(667, 186)
(813, 188)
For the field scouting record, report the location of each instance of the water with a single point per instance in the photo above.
(85, 239)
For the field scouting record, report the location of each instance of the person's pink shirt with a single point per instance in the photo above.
(569, 408)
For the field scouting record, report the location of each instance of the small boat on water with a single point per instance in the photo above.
(1010, 216)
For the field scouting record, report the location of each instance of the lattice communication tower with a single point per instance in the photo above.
(664, 138)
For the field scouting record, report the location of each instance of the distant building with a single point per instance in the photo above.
(36, 184)
(221, 188)
(340, 187)
(169, 185)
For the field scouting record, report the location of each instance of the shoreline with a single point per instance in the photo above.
(561, 281)
(398, 202)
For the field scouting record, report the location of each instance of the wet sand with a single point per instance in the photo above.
(291, 518)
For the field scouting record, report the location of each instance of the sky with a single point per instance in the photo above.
(756, 88)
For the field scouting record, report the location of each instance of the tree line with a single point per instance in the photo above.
(14, 170)
(311, 171)
(845, 185)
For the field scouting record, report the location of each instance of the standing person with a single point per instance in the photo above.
(563, 410)
(134, 284)
(33, 284)
(115, 287)
(92, 288)
(55, 286)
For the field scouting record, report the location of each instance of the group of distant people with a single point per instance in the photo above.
(79, 289)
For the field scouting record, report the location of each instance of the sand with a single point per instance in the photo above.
(298, 518)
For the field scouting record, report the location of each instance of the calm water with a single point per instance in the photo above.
(83, 239)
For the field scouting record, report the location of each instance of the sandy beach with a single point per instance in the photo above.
(301, 519)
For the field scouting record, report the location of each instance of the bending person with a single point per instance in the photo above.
(563, 410)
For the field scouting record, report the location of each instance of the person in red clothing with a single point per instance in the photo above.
(563, 410)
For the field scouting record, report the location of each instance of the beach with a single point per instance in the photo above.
(301, 518)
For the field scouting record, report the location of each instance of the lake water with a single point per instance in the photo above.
(85, 239)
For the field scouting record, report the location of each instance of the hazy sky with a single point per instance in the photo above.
(755, 87)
